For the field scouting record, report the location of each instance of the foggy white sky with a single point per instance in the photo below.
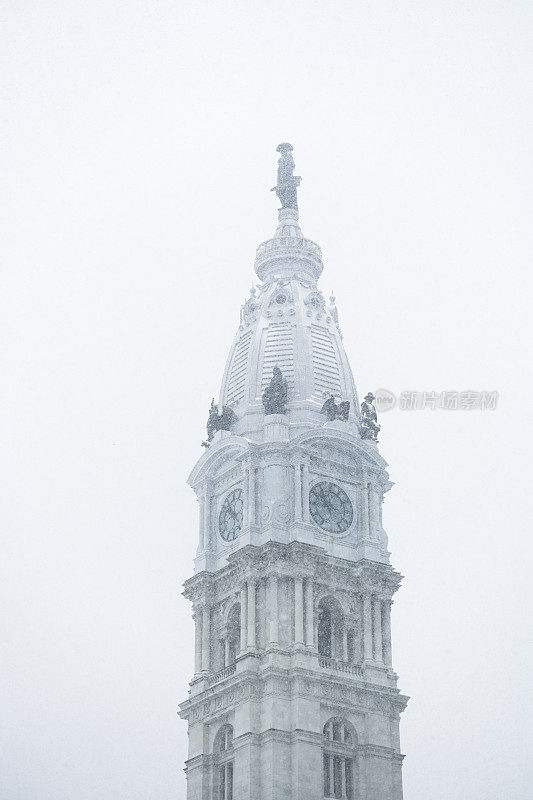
(140, 150)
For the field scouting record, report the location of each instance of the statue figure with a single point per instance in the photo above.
(369, 419)
(275, 394)
(333, 309)
(248, 310)
(218, 422)
(334, 411)
(287, 182)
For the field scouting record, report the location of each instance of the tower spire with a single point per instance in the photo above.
(292, 587)
(288, 251)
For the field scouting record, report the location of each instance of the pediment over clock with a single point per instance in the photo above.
(333, 444)
(223, 455)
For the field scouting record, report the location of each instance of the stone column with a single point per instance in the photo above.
(206, 637)
(309, 620)
(367, 627)
(251, 495)
(207, 497)
(272, 609)
(331, 777)
(228, 782)
(246, 497)
(251, 613)
(365, 510)
(244, 618)
(305, 493)
(373, 505)
(298, 611)
(343, 777)
(378, 647)
(226, 651)
(197, 640)
(386, 631)
(345, 642)
(201, 502)
(297, 492)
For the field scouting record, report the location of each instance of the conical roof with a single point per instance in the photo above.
(287, 322)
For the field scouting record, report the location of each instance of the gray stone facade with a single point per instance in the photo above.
(294, 695)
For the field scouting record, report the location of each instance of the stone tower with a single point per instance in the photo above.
(294, 696)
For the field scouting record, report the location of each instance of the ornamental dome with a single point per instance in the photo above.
(286, 322)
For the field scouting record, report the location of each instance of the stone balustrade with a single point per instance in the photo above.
(291, 245)
(340, 666)
(289, 242)
(221, 675)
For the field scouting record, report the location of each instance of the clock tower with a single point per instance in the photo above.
(294, 695)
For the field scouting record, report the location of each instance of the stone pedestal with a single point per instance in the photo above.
(276, 428)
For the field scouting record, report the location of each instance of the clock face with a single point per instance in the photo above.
(230, 519)
(330, 507)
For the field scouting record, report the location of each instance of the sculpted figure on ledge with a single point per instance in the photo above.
(275, 394)
(218, 422)
(334, 411)
(369, 419)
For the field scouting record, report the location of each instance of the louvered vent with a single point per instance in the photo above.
(279, 352)
(325, 366)
(238, 369)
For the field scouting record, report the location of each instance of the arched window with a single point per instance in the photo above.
(330, 628)
(339, 758)
(223, 764)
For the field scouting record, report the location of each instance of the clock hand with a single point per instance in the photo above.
(329, 506)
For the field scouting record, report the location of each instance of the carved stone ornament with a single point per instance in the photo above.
(315, 300)
(333, 309)
(334, 411)
(281, 295)
(249, 308)
(282, 512)
(369, 417)
(218, 421)
(275, 394)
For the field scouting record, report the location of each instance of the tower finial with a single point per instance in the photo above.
(287, 182)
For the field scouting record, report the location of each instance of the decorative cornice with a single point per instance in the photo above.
(255, 561)
(359, 696)
(378, 751)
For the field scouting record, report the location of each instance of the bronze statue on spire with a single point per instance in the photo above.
(287, 182)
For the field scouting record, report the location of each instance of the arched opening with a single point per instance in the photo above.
(339, 760)
(330, 628)
(223, 764)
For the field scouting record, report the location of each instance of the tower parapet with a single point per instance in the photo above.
(288, 252)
